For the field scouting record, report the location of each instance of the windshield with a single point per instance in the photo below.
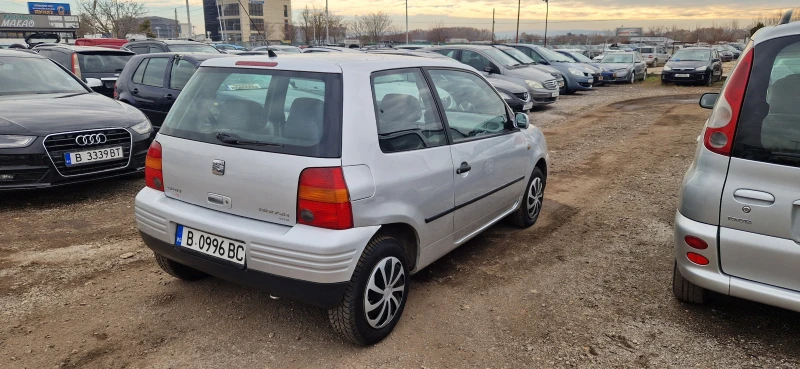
(295, 113)
(193, 48)
(581, 58)
(519, 55)
(617, 58)
(502, 58)
(23, 76)
(552, 56)
(691, 55)
(646, 50)
(103, 62)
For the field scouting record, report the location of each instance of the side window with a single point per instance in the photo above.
(181, 72)
(154, 72)
(474, 60)
(448, 53)
(154, 49)
(472, 107)
(140, 49)
(525, 50)
(139, 72)
(769, 127)
(538, 58)
(405, 111)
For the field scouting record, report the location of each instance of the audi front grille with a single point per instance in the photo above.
(58, 144)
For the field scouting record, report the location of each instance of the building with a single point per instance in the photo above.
(262, 21)
(164, 27)
(14, 28)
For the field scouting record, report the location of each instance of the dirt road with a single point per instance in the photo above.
(588, 286)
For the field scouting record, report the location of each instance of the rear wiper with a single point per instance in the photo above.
(228, 139)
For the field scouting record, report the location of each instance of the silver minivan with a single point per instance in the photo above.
(330, 180)
(737, 229)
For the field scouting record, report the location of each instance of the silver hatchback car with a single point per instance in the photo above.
(331, 180)
(737, 230)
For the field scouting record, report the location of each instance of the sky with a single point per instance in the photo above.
(563, 14)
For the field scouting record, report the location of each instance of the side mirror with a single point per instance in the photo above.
(491, 68)
(94, 82)
(708, 100)
(521, 121)
(716, 60)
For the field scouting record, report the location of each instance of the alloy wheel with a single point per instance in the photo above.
(385, 292)
(534, 200)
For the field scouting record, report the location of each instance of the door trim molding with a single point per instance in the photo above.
(437, 216)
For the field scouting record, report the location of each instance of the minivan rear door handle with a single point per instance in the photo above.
(465, 167)
(753, 197)
(135, 91)
(168, 97)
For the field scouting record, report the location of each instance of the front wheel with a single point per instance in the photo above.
(376, 294)
(644, 76)
(632, 79)
(709, 79)
(531, 205)
(655, 62)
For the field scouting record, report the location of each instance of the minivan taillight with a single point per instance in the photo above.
(153, 176)
(721, 126)
(323, 200)
(76, 67)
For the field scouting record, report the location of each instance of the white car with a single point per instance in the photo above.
(330, 180)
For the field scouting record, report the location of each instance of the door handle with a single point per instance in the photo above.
(465, 167)
(753, 197)
(135, 91)
(168, 97)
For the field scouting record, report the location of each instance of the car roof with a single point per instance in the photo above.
(18, 54)
(85, 48)
(335, 62)
(477, 47)
(697, 48)
(768, 33)
(191, 56)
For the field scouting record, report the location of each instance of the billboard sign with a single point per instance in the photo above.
(628, 32)
(48, 9)
(27, 21)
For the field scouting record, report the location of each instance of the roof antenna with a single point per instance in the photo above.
(271, 54)
(787, 17)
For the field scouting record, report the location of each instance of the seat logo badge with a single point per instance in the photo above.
(746, 209)
(218, 167)
(93, 139)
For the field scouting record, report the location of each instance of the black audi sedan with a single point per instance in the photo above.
(693, 65)
(55, 130)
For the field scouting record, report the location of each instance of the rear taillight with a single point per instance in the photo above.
(721, 126)
(153, 175)
(116, 93)
(695, 242)
(76, 67)
(323, 200)
(697, 258)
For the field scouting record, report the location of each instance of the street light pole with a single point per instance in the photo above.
(327, 38)
(546, 15)
(406, 22)
(519, 3)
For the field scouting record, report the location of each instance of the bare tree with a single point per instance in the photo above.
(372, 26)
(117, 17)
(438, 33)
(312, 26)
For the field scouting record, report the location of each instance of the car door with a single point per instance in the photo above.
(488, 152)
(148, 89)
(717, 63)
(639, 64)
(180, 71)
(760, 207)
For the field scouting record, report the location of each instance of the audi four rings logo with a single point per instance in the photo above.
(93, 139)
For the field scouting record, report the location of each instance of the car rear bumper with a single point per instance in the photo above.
(276, 253)
(690, 76)
(712, 277)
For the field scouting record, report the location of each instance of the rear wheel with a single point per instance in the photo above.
(531, 206)
(644, 76)
(687, 291)
(655, 62)
(179, 270)
(376, 295)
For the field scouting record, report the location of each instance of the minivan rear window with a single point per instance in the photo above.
(769, 124)
(296, 113)
(103, 62)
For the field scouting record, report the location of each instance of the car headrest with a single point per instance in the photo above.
(305, 119)
(246, 115)
(784, 98)
(399, 108)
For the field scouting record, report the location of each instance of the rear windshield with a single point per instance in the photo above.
(769, 124)
(645, 50)
(193, 48)
(103, 62)
(296, 113)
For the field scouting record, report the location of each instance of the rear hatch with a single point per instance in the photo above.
(760, 209)
(237, 139)
(105, 66)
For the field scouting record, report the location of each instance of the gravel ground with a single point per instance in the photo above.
(587, 286)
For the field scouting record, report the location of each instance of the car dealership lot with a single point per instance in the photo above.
(589, 286)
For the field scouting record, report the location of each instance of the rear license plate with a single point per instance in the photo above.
(209, 244)
(682, 75)
(527, 106)
(600, 78)
(554, 94)
(92, 156)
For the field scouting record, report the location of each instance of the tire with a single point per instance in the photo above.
(632, 80)
(179, 270)
(532, 201)
(655, 63)
(709, 80)
(644, 76)
(351, 318)
(664, 82)
(687, 291)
